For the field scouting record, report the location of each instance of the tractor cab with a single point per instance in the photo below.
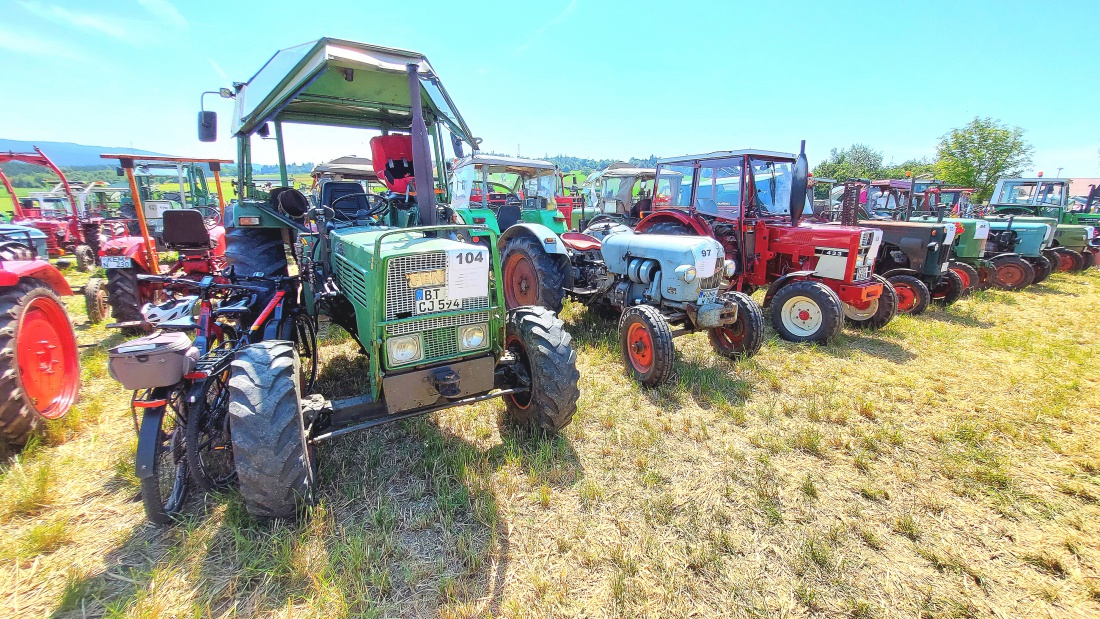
(499, 192)
(620, 191)
(344, 175)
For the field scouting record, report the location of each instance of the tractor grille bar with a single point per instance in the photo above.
(401, 299)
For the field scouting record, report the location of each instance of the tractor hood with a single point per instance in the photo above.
(702, 253)
(360, 244)
(825, 235)
(899, 232)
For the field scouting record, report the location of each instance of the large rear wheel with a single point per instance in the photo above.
(124, 294)
(39, 364)
(273, 457)
(968, 275)
(256, 250)
(878, 312)
(949, 289)
(531, 276)
(1013, 272)
(807, 311)
(645, 339)
(743, 338)
(546, 361)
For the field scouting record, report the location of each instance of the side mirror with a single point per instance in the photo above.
(799, 181)
(208, 126)
(263, 131)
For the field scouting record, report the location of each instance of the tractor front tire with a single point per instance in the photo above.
(270, 447)
(645, 339)
(913, 294)
(124, 294)
(544, 349)
(807, 311)
(95, 300)
(987, 276)
(879, 313)
(950, 289)
(1089, 258)
(1043, 268)
(1013, 273)
(256, 250)
(531, 276)
(85, 258)
(968, 275)
(743, 338)
(39, 366)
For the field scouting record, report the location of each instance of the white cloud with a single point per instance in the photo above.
(165, 11)
(84, 21)
(30, 45)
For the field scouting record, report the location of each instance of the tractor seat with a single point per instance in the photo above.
(235, 307)
(579, 241)
(508, 216)
(348, 207)
(392, 157)
(185, 229)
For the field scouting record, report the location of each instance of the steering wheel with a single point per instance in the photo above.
(211, 216)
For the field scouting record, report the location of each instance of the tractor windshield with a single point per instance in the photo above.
(674, 184)
(773, 186)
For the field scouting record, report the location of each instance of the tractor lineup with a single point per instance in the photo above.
(448, 267)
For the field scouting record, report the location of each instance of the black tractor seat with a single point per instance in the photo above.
(348, 207)
(185, 230)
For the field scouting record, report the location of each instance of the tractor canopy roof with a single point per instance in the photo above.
(622, 169)
(344, 84)
(349, 167)
(893, 183)
(514, 165)
(727, 154)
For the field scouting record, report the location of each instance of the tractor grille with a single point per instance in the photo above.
(401, 300)
(714, 280)
(862, 273)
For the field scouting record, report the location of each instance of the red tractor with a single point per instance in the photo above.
(39, 362)
(66, 232)
(201, 252)
(752, 202)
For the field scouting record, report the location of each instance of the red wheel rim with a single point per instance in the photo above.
(730, 337)
(1010, 274)
(49, 371)
(521, 282)
(1065, 262)
(965, 277)
(639, 347)
(907, 297)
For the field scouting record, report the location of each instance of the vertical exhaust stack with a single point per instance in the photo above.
(800, 178)
(422, 156)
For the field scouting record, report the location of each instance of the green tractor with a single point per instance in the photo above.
(425, 307)
(508, 195)
(1046, 200)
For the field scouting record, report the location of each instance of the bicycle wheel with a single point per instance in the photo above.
(165, 489)
(208, 446)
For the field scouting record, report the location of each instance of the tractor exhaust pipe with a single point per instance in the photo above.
(800, 178)
(422, 156)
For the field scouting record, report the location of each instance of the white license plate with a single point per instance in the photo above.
(708, 296)
(115, 262)
(432, 300)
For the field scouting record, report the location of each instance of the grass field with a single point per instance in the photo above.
(948, 466)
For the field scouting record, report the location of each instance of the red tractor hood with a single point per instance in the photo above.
(815, 234)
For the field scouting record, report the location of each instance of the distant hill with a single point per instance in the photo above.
(67, 154)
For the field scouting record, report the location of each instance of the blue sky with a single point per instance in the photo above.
(597, 79)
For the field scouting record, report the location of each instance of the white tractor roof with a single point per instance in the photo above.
(515, 163)
(726, 154)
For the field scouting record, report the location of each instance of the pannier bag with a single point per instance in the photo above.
(158, 360)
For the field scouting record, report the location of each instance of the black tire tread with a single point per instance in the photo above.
(1043, 268)
(887, 308)
(123, 294)
(923, 294)
(551, 276)
(751, 316)
(831, 307)
(553, 370)
(949, 290)
(664, 353)
(971, 273)
(92, 290)
(256, 250)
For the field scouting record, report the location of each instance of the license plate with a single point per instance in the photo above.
(708, 296)
(115, 262)
(432, 300)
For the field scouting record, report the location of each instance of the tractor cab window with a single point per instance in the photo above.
(462, 186)
(674, 184)
(609, 194)
(544, 184)
(772, 186)
(1051, 194)
(1020, 192)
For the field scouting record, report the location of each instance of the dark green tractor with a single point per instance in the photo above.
(425, 307)
(1072, 246)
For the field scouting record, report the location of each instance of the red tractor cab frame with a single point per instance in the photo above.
(772, 247)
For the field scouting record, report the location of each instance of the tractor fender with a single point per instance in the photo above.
(893, 272)
(696, 223)
(14, 271)
(131, 246)
(545, 237)
(789, 278)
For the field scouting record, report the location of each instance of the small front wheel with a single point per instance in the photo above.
(807, 311)
(949, 289)
(1013, 273)
(85, 258)
(546, 361)
(968, 275)
(744, 337)
(95, 300)
(878, 312)
(646, 342)
(913, 294)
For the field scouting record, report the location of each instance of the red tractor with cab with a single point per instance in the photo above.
(816, 276)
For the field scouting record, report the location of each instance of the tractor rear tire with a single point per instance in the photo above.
(950, 289)
(33, 390)
(256, 250)
(968, 275)
(271, 450)
(95, 300)
(1042, 267)
(531, 276)
(645, 340)
(124, 294)
(544, 349)
(807, 311)
(14, 250)
(669, 227)
(743, 338)
(1013, 273)
(85, 258)
(913, 294)
(880, 312)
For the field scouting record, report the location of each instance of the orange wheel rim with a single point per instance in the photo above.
(1065, 262)
(1010, 274)
(47, 355)
(639, 347)
(964, 276)
(521, 282)
(907, 297)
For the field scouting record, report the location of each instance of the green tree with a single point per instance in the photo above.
(980, 153)
(856, 161)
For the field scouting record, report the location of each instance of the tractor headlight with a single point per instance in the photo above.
(472, 337)
(730, 268)
(933, 246)
(404, 349)
(1090, 232)
(686, 272)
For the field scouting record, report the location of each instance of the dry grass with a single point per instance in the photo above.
(946, 467)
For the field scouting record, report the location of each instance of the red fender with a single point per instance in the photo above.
(696, 223)
(13, 271)
(132, 246)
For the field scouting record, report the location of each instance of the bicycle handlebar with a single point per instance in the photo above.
(190, 283)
